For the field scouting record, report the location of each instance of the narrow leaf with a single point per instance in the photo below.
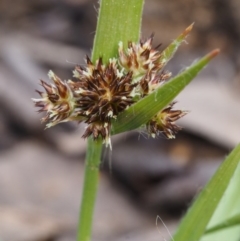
(197, 218)
(168, 53)
(141, 112)
(118, 21)
(228, 208)
(233, 221)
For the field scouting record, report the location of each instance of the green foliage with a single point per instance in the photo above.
(225, 221)
(168, 53)
(195, 222)
(117, 20)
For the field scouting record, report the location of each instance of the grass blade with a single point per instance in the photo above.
(233, 221)
(168, 53)
(197, 218)
(228, 209)
(118, 21)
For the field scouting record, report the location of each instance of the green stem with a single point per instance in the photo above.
(91, 177)
(119, 20)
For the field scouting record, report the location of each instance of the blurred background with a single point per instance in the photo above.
(41, 171)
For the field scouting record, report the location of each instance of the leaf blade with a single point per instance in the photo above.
(118, 21)
(231, 222)
(168, 53)
(194, 223)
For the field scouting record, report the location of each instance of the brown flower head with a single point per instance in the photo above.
(152, 81)
(164, 122)
(140, 58)
(57, 101)
(102, 92)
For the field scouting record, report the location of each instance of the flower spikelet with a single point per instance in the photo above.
(140, 58)
(102, 92)
(164, 122)
(145, 63)
(152, 81)
(57, 101)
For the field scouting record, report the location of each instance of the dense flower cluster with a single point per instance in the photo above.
(99, 92)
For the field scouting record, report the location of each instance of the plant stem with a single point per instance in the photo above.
(91, 176)
(119, 20)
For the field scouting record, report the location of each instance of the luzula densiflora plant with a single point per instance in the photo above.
(99, 92)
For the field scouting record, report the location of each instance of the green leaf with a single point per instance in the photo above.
(118, 21)
(168, 53)
(141, 112)
(227, 210)
(197, 218)
(228, 223)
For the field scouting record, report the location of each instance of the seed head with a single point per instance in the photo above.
(152, 81)
(164, 122)
(140, 58)
(57, 101)
(102, 93)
